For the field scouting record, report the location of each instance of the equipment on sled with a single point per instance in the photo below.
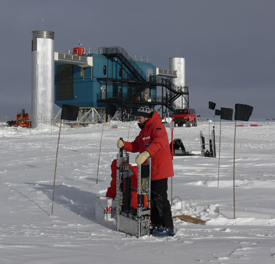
(133, 206)
(178, 148)
(22, 120)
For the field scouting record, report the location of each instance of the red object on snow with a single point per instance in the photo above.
(111, 192)
(22, 119)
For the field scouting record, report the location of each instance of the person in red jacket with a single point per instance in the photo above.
(153, 142)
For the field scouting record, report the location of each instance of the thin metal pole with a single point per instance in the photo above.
(56, 164)
(52, 123)
(129, 128)
(209, 123)
(99, 153)
(234, 199)
(219, 152)
(209, 134)
(172, 142)
(171, 190)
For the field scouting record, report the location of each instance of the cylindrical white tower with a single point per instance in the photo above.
(42, 76)
(178, 64)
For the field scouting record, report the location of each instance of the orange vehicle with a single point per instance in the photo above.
(22, 119)
(185, 116)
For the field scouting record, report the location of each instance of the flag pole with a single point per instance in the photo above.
(243, 113)
(172, 142)
(234, 199)
(219, 152)
(209, 122)
(129, 128)
(56, 164)
(99, 153)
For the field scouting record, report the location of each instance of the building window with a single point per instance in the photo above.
(104, 70)
(64, 82)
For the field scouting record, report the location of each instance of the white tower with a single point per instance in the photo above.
(178, 64)
(42, 76)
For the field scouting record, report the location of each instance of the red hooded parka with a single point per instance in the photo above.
(154, 139)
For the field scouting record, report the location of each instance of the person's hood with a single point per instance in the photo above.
(154, 118)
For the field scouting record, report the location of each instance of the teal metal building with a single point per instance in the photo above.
(111, 79)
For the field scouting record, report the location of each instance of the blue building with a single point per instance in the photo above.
(111, 79)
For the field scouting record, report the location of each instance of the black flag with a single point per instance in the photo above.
(217, 112)
(226, 113)
(243, 112)
(212, 105)
(69, 112)
(111, 110)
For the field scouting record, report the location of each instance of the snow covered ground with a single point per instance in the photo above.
(29, 234)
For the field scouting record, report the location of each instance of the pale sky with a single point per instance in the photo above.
(228, 45)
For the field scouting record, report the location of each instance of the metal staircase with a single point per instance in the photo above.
(119, 52)
(175, 91)
(138, 79)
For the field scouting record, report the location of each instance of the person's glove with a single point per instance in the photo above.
(140, 158)
(120, 143)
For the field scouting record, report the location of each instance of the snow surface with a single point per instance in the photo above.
(29, 234)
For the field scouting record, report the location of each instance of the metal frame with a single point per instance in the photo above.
(135, 222)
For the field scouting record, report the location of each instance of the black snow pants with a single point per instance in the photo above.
(161, 214)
